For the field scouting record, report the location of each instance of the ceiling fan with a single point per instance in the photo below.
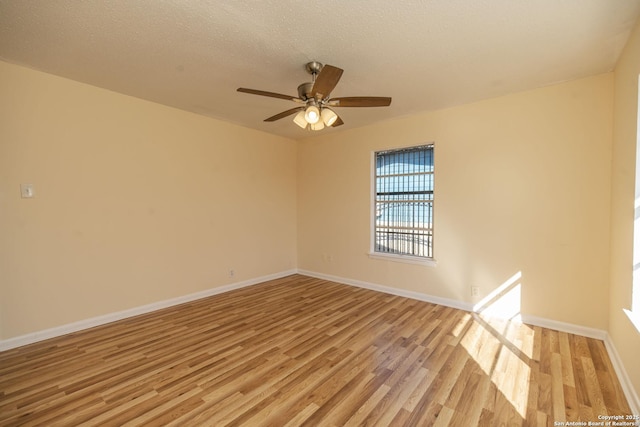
(314, 111)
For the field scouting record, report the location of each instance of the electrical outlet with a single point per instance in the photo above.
(26, 191)
(232, 273)
(475, 291)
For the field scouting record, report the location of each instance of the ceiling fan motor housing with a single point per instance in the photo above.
(304, 90)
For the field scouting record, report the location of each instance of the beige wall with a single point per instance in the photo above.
(135, 202)
(624, 335)
(522, 185)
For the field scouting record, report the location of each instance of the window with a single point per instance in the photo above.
(634, 312)
(404, 202)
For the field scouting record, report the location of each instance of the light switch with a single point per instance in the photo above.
(26, 191)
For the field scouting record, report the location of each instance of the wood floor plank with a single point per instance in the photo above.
(557, 388)
(593, 387)
(533, 393)
(304, 351)
(572, 408)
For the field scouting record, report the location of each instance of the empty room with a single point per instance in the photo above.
(288, 213)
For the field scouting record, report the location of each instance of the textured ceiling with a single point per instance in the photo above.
(426, 54)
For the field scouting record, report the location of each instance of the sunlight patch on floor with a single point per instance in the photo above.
(461, 325)
(511, 377)
(498, 343)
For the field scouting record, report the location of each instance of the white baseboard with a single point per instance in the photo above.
(570, 328)
(625, 381)
(112, 317)
(461, 305)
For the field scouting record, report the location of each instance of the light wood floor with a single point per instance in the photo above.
(303, 351)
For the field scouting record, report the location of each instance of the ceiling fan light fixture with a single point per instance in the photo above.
(314, 99)
(329, 117)
(312, 114)
(300, 120)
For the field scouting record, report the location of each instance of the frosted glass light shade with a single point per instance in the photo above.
(300, 120)
(328, 116)
(312, 114)
(319, 125)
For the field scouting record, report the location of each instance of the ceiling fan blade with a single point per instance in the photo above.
(338, 122)
(360, 101)
(269, 94)
(326, 81)
(283, 114)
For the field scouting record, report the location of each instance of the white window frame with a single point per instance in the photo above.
(404, 258)
(634, 311)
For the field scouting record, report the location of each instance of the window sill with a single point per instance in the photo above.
(407, 259)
